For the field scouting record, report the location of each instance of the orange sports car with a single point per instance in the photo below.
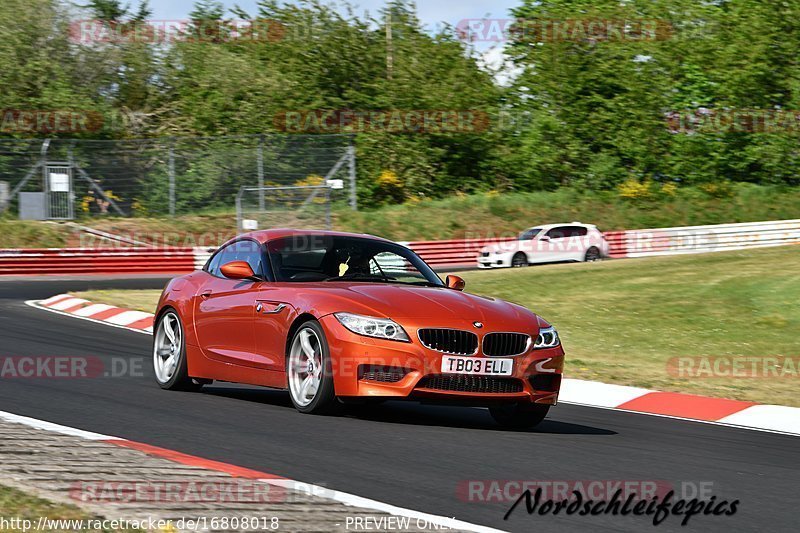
(339, 318)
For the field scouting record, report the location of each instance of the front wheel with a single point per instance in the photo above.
(519, 416)
(309, 371)
(169, 355)
(519, 260)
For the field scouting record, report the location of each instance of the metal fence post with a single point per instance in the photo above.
(351, 165)
(171, 171)
(328, 222)
(260, 154)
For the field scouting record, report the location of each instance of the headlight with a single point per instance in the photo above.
(548, 338)
(381, 328)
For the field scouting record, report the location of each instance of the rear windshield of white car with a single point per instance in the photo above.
(529, 234)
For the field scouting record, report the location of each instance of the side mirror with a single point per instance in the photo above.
(238, 270)
(455, 282)
(545, 238)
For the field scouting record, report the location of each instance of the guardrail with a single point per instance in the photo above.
(439, 254)
(97, 261)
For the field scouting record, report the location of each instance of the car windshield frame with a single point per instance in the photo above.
(311, 243)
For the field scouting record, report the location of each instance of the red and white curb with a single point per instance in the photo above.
(430, 521)
(108, 314)
(737, 413)
(748, 415)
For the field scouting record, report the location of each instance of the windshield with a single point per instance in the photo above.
(315, 258)
(529, 234)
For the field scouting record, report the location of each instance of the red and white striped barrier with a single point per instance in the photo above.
(749, 415)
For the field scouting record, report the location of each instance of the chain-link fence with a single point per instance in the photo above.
(307, 207)
(168, 176)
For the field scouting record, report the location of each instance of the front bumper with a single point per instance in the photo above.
(536, 374)
(494, 261)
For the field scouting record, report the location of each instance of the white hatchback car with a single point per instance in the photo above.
(547, 244)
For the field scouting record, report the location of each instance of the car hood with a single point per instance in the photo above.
(500, 247)
(441, 305)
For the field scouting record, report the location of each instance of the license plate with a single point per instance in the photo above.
(477, 366)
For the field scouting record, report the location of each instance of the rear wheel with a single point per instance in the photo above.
(310, 372)
(169, 355)
(519, 416)
(592, 254)
(519, 260)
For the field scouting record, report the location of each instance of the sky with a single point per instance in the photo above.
(431, 12)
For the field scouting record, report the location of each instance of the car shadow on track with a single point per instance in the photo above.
(413, 413)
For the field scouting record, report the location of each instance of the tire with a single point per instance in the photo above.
(519, 260)
(519, 416)
(305, 372)
(592, 254)
(169, 354)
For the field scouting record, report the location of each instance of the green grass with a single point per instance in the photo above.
(28, 234)
(621, 321)
(18, 504)
(456, 217)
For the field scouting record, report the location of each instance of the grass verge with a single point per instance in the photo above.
(622, 321)
(20, 505)
(138, 300)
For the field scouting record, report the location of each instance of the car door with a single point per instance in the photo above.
(225, 308)
(274, 310)
(577, 244)
(553, 245)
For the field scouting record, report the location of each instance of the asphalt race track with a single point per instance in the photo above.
(401, 453)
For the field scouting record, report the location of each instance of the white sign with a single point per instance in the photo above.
(249, 224)
(59, 182)
(336, 184)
